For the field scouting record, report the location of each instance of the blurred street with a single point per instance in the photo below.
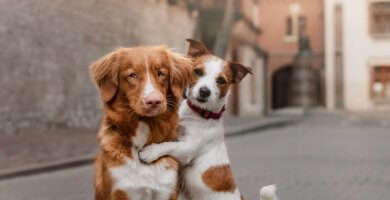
(325, 156)
(312, 118)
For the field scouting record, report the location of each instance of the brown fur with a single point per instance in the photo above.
(120, 195)
(197, 49)
(124, 107)
(227, 75)
(103, 182)
(219, 178)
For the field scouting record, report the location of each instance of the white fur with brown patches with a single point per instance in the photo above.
(202, 144)
(213, 68)
(201, 147)
(141, 181)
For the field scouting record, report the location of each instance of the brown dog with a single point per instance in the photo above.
(141, 89)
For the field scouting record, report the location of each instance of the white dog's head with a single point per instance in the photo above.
(212, 77)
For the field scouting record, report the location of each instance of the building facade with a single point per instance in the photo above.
(357, 54)
(280, 20)
(248, 97)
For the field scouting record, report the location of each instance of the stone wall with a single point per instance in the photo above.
(47, 47)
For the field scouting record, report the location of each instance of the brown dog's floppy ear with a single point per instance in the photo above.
(197, 48)
(238, 71)
(180, 73)
(105, 73)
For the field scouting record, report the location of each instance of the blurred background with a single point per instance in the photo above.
(313, 118)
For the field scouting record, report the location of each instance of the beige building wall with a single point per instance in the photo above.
(361, 52)
(247, 98)
(251, 90)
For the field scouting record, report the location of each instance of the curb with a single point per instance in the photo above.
(47, 167)
(88, 159)
(256, 126)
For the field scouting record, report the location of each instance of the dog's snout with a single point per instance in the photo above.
(204, 92)
(153, 100)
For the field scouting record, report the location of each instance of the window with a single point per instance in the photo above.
(380, 84)
(289, 24)
(380, 18)
(292, 23)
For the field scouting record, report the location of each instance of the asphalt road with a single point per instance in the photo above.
(326, 156)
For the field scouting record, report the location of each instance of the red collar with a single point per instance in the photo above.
(205, 113)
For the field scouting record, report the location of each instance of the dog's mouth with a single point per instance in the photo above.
(201, 100)
(151, 112)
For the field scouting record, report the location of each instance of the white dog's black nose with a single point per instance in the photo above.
(204, 92)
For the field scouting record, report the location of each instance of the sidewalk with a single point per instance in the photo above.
(27, 153)
(37, 151)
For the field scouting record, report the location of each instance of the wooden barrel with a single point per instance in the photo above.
(303, 84)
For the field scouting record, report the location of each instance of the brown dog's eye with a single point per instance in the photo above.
(133, 75)
(221, 80)
(198, 72)
(160, 73)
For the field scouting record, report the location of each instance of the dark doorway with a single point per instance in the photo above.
(281, 87)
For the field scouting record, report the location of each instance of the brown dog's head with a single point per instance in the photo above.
(144, 80)
(212, 77)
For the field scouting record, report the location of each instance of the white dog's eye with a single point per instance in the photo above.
(221, 80)
(133, 75)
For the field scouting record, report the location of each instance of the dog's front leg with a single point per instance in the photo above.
(182, 151)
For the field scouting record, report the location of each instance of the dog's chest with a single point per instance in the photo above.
(139, 140)
(127, 176)
(141, 135)
(201, 130)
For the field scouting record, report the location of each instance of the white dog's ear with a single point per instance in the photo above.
(239, 71)
(105, 73)
(197, 48)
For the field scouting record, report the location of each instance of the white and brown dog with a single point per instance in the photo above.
(201, 147)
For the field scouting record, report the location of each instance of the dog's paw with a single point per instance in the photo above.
(149, 153)
(168, 162)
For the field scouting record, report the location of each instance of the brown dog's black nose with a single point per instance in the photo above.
(204, 92)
